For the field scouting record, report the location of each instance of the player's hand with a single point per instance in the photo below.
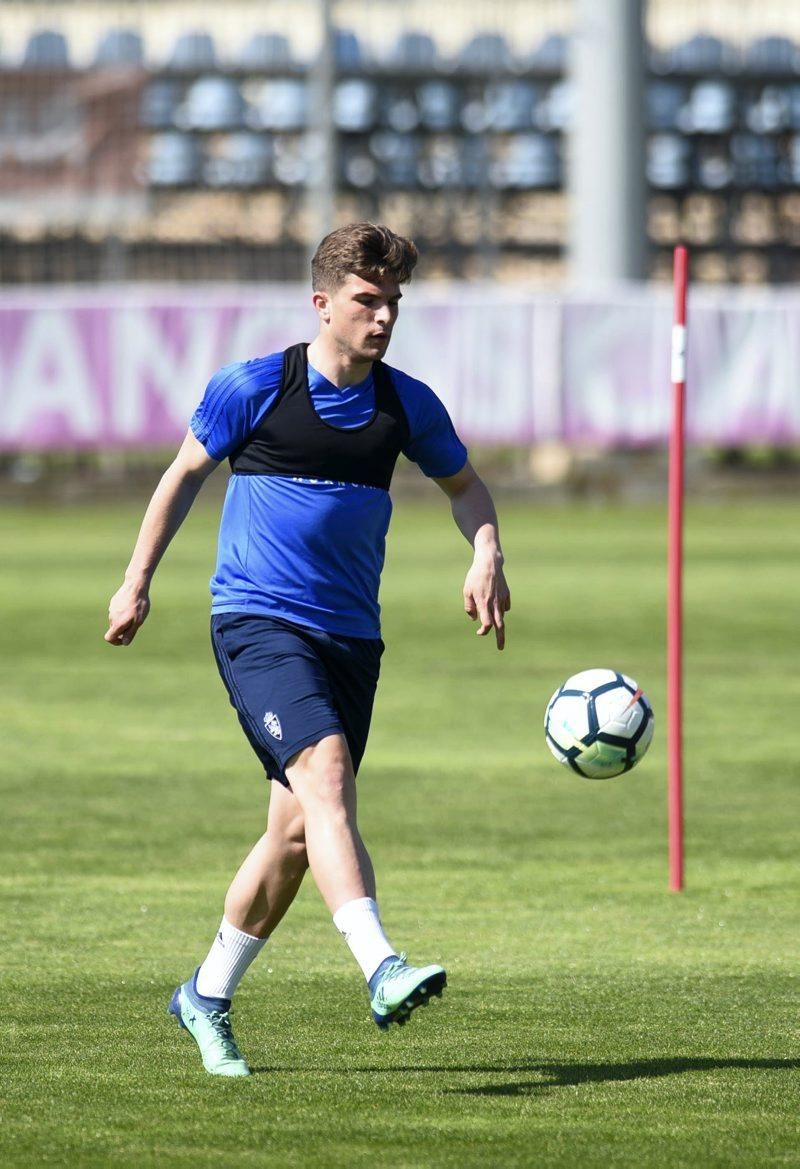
(127, 610)
(486, 596)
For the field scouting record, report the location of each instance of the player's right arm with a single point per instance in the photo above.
(165, 513)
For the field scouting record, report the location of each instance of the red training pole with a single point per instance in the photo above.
(675, 576)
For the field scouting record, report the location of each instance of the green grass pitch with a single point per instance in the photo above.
(592, 1018)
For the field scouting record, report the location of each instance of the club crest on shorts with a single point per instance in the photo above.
(273, 724)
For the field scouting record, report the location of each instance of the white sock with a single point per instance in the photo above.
(360, 924)
(227, 961)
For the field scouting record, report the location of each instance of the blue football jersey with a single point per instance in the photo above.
(308, 550)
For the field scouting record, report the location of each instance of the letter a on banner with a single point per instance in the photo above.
(49, 382)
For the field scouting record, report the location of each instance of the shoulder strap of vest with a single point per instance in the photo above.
(387, 397)
(380, 378)
(295, 364)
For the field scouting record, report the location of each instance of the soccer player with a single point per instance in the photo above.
(312, 435)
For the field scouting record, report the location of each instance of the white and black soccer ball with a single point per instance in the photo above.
(599, 723)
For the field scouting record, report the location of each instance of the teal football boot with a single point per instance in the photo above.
(397, 989)
(208, 1021)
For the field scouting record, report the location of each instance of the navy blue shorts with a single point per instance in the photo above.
(292, 686)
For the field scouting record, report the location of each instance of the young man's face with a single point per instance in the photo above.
(360, 315)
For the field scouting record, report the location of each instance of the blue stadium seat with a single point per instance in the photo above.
(266, 50)
(399, 111)
(665, 99)
(464, 163)
(160, 100)
(486, 51)
(356, 166)
(439, 105)
(550, 56)
(510, 104)
(278, 104)
(292, 163)
(211, 103)
(531, 160)
(772, 54)
(240, 160)
(347, 52)
(355, 105)
(475, 161)
(712, 164)
(710, 109)
(193, 51)
(755, 160)
(119, 46)
(770, 111)
(555, 109)
(398, 155)
(414, 51)
(441, 164)
(46, 49)
(173, 159)
(668, 161)
(700, 54)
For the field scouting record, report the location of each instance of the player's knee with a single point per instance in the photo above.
(323, 776)
(330, 785)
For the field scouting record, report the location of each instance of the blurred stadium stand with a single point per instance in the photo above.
(135, 146)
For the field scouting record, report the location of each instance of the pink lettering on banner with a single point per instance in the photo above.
(51, 379)
(127, 373)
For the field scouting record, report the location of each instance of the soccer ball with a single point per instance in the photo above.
(599, 723)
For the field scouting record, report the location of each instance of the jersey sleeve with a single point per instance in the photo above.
(433, 443)
(236, 399)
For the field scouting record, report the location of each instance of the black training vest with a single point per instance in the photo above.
(292, 440)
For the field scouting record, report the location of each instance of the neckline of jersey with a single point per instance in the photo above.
(330, 426)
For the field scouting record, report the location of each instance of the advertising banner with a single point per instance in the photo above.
(125, 367)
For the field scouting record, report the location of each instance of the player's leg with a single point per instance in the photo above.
(323, 782)
(260, 893)
(323, 779)
(270, 876)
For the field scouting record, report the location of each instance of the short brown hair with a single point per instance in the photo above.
(370, 250)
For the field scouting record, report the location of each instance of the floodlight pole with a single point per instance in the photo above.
(675, 575)
(606, 145)
(323, 155)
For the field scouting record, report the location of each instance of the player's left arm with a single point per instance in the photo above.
(486, 594)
